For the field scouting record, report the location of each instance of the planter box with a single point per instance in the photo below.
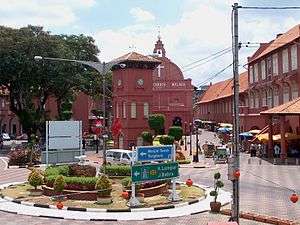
(104, 200)
(149, 192)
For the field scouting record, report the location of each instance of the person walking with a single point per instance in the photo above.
(276, 151)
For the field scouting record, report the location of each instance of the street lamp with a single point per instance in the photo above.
(103, 68)
(185, 147)
(191, 134)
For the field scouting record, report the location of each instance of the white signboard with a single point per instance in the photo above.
(63, 135)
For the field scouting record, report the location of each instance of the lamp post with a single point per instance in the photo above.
(191, 134)
(185, 147)
(197, 149)
(102, 68)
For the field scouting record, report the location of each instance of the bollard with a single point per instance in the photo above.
(249, 161)
(259, 162)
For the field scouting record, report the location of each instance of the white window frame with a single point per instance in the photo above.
(146, 109)
(256, 100)
(124, 110)
(285, 61)
(255, 77)
(270, 98)
(264, 98)
(263, 69)
(133, 110)
(275, 64)
(294, 57)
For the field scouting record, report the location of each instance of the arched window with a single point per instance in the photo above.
(286, 93)
(275, 96)
(295, 90)
(270, 98)
(264, 98)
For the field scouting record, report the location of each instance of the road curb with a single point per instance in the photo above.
(261, 218)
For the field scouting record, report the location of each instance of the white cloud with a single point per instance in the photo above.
(141, 15)
(49, 13)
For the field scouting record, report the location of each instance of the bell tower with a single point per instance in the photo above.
(159, 49)
(132, 96)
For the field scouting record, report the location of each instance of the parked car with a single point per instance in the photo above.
(221, 154)
(118, 156)
(5, 136)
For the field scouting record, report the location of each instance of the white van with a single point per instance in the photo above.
(118, 156)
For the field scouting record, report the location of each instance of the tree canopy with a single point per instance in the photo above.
(31, 83)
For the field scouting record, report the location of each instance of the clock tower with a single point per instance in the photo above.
(132, 96)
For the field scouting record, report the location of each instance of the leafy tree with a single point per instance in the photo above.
(176, 132)
(156, 123)
(166, 140)
(35, 179)
(31, 84)
(147, 137)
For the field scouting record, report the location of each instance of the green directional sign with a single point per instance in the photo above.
(160, 171)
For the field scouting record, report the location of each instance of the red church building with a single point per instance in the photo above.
(147, 85)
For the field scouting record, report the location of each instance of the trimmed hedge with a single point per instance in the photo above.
(75, 183)
(57, 170)
(117, 170)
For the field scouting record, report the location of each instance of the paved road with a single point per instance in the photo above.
(263, 190)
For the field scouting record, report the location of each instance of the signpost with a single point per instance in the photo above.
(160, 171)
(154, 153)
(154, 171)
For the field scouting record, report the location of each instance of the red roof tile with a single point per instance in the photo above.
(280, 41)
(289, 108)
(134, 56)
(224, 89)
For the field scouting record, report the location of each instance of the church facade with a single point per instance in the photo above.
(149, 85)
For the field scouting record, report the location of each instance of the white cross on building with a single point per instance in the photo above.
(159, 69)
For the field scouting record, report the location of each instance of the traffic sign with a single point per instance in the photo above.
(160, 171)
(154, 153)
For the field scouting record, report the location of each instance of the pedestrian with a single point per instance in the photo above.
(252, 150)
(276, 151)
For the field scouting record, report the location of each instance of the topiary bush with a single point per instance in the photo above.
(176, 132)
(104, 186)
(59, 184)
(117, 170)
(166, 140)
(156, 122)
(35, 179)
(126, 182)
(21, 157)
(217, 184)
(82, 170)
(147, 137)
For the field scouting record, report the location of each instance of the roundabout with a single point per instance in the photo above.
(19, 207)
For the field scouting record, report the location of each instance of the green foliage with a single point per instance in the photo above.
(117, 170)
(126, 182)
(57, 170)
(166, 140)
(59, 184)
(84, 181)
(147, 137)
(31, 83)
(156, 123)
(217, 185)
(103, 185)
(176, 132)
(35, 178)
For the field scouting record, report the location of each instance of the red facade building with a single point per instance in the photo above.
(146, 85)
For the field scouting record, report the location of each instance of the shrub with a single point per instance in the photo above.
(35, 179)
(21, 157)
(59, 184)
(186, 161)
(156, 123)
(176, 132)
(82, 170)
(57, 170)
(166, 140)
(75, 183)
(147, 137)
(117, 170)
(126, 182)
(104, 186)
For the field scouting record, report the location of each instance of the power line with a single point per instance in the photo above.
(270, 8)
(215, 75)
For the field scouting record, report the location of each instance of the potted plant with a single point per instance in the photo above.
(35, 179)
(104, 188)
(216, 206)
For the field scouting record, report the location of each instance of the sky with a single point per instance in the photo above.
(190, 29)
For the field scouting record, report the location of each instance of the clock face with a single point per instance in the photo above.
(140, 82)
(119, 82)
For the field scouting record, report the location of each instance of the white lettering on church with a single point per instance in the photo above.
(159, 84)
(177, 84)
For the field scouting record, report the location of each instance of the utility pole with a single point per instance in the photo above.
(236, 155)
(104, 134)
